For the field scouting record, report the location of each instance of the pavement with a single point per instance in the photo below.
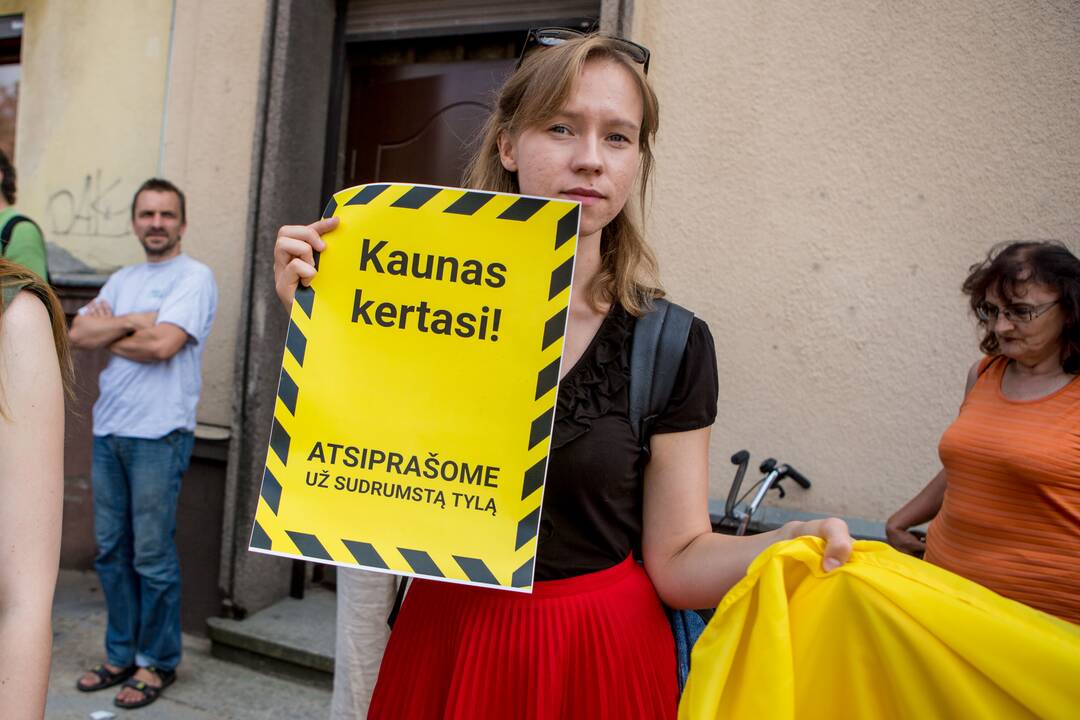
(206, 688)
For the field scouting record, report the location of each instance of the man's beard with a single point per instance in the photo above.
(159, 250)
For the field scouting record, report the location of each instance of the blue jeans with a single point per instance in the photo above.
(136, 486)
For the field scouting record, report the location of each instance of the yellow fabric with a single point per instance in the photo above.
(885, 636)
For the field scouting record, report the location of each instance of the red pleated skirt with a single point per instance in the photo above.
(592, 646)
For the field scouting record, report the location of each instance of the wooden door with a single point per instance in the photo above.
(418, 122)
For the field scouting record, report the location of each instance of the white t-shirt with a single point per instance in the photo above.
(151, 399)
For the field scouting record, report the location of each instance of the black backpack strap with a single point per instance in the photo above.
(399, 598)
(9, 230)
(655, 356)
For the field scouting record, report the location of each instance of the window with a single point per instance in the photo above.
(11, 27)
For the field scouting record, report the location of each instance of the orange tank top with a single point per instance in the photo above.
(1011, 516)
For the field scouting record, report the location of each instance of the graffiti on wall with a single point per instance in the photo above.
(95, 208)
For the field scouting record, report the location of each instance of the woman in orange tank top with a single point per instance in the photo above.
(1006, 506)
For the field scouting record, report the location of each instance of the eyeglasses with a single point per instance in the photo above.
(549, 37)
(1021, 314)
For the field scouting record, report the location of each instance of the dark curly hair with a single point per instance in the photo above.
(7, 183)
(1008, 267)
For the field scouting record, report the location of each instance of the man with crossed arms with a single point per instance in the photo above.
(154, 319)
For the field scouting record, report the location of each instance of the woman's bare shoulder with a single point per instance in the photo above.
(25, 326)
(26, 305)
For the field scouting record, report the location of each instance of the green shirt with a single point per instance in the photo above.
(27, 246)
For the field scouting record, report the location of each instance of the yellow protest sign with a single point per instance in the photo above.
(418, 385)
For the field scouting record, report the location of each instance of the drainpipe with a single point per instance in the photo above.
(237, 469)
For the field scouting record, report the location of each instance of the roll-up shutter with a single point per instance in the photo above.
(390, 19)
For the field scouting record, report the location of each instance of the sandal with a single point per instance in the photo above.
(150, 693)
(106, 677)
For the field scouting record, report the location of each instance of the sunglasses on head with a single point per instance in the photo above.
(548, 37)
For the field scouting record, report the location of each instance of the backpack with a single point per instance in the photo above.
(655, 356)
(9, 229)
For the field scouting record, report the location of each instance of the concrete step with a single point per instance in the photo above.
(291, 638)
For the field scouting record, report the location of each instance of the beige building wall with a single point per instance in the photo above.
(90, 118)
(208, 151)
(826, 174)
(116, 92)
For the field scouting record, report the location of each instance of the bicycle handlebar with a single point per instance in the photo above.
(797, 476)
(773, 472)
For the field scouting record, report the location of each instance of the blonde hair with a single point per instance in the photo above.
(534, 94)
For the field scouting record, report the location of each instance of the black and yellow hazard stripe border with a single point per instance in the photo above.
(266, 527)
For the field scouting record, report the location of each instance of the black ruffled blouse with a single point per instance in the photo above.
(592, 512)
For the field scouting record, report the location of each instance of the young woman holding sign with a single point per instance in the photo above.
(576, 121)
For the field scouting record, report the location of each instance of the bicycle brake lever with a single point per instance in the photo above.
(742, 459)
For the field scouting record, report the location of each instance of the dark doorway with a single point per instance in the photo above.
(416, 109)
(417, 123)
